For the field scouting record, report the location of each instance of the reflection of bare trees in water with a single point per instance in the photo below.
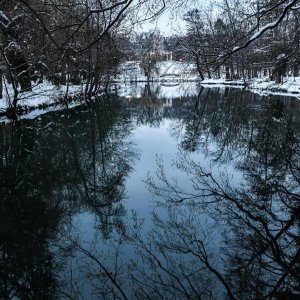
(51, 171)
(218, 240)
(103, 163)
(215, 242)
(231, 122)
(212, 240)
(28, 220)
(259, 254)
(260, 251)
(93, 269)
(155, 102)
(175, 259)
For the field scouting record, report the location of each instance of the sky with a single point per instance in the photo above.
(165, 23)
(171, 22)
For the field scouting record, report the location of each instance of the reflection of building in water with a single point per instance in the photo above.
(156, 101)
(164, 104)
(168, 102)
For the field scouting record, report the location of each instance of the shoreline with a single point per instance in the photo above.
(50, 98)
(262, 86)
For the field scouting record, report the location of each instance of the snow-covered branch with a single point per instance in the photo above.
(109, 8)
(223, 58)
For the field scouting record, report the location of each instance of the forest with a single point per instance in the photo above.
(72, 42)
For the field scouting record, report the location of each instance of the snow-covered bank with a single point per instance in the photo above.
(45, 94)
(43, 98)
(164, 71)
(289, 87)
(264, 86)
(48, 99)
(172, 79)
(178, 72)
(222, 81)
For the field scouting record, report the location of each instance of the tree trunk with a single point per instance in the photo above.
(227, 72)
(296, 70)
(231, 71)
(18, 66)
(1, 85)
(199, 67)
(207, 68)
(14, 56)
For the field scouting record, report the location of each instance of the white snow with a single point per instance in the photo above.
(160, 90)
(44, 93)
(289, 87)
(171, 79)
(262, 29)
(222, 81)
(164, 71)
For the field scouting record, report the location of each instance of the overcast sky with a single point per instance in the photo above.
(169, 24)
(165, 23)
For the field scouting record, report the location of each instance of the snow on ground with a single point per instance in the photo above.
(263, 86)
(289, 87)
(164, 71)
(43, 93)
(170, 80)
(222, 81)
(177, 70)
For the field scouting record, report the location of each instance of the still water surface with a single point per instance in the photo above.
(173, 192)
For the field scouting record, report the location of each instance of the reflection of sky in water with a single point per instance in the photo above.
(157, 143)
(153, 143)
(161, 139)
(168, 91)
(73, 167)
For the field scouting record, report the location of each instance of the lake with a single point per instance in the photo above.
(153, 192)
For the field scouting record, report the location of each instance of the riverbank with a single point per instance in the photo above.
(46, 97)
(164, 71)
(178, 72)
(43, 98)
(170, 76)
(290, 86)
(263, 86)
(42, 94)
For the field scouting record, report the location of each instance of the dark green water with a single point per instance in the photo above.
(179, 193)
